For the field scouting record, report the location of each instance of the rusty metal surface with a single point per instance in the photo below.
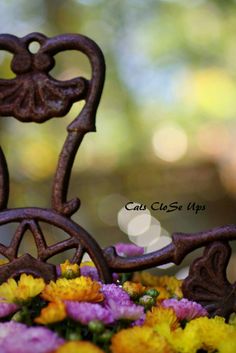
(35, 96)
(207, 282)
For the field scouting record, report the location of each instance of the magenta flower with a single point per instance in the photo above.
(125, 311)
(7, 308)
(127, 249)
(116, 293)
(18, 338)
(185, 309)
(86, 312)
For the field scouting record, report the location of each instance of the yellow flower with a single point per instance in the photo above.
(163, 293)
(212, 332)
(3, 261)
(170, 283)
(69, 270)
(26, 288)
(228, 346)
(185, 341)
(87, 263)
(159, 315)
(54, 312)
(79, 289)
(139, 340)
(162, 320)
(78, 346)
(134, 289)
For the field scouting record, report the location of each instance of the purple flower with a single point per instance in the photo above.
(7, 308)
(127, 311)
(140, 321)
(116, 293)
(10, 328)
(185, 309)
(89, 271)
(86, 312)
(92, 272)
(126, 249)
(18, 338)
(58, 270)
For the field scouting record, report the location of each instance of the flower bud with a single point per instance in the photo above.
(152, 292)
(96, 326)
(17, 316)
(147, 301)
(105, 336)
(74, 336)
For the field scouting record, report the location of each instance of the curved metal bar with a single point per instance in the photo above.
(62, 176)
(4, 181)
(11, 43)
(85, 121)
(182, 245)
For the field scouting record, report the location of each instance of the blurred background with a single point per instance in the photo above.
(166, 126)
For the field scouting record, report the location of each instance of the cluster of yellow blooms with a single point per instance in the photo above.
(168, 287)
(161, 331)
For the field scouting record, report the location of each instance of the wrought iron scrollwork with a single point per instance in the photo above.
(35, 96)
(207, 282)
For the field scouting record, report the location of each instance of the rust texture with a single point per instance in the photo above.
(35, 96)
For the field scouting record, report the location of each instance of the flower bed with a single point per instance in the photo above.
(77, 313)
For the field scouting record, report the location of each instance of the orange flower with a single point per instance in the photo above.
(139, 340)
(79, 289)
(54, 312)
(78, 346)
(134, 289)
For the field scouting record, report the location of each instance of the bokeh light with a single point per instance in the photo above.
(152, 233)
(134, 222)
(170, 142)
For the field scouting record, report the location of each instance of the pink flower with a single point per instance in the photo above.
(116, 293)
(125, 311)
(86, 312)
(7, 308)
(185, 309)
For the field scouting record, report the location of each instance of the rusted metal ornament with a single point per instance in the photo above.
(35, 96)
